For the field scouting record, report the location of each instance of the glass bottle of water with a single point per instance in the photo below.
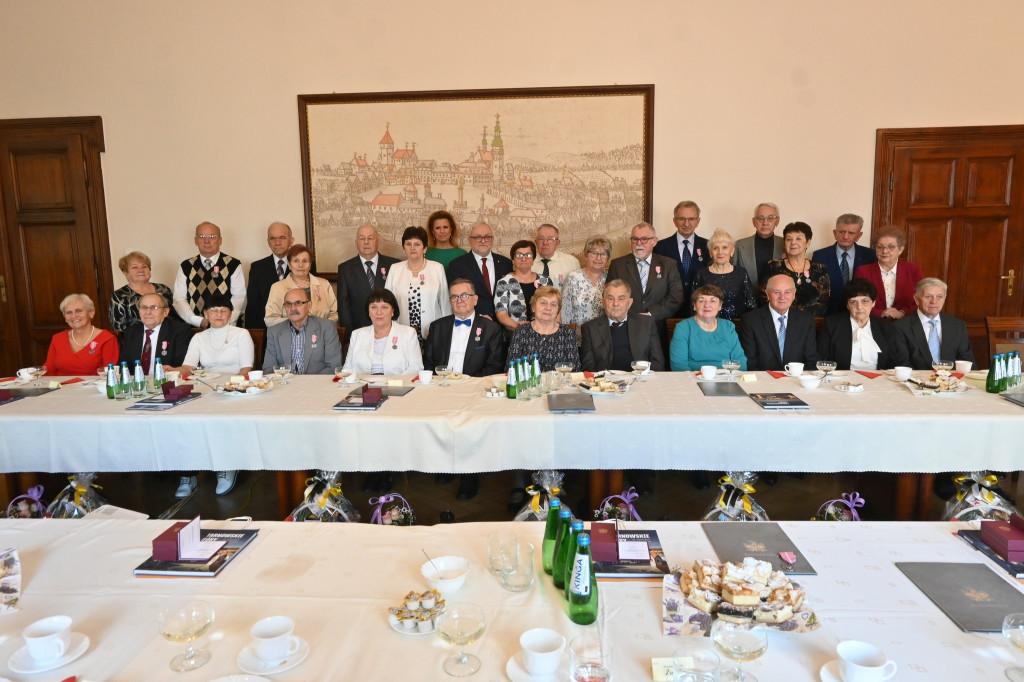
(550, 534)
(582, 585)
(561, 542)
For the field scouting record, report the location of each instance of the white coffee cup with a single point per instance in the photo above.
(708, 371)
(903, 373)
(795, 368)
(255, 375)
(25, 373)
(863, 662)
(172, 375)
(48, 639)
(426, 376)
(963, 366)
(272, 639)
(352, 378)
(541, 650)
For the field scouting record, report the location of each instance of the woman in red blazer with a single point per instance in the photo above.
(898, 301)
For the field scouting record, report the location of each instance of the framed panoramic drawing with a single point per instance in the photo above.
(579, 158)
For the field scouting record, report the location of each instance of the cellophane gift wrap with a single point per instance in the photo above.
(619, 507)
(547, 483)
(78, 499)
(324, 501)
(842, 509)
(27, 506)
(978, 497)
(392, 510)
(734, 501)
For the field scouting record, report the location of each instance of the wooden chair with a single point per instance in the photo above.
(259, 346)
(1005, 334)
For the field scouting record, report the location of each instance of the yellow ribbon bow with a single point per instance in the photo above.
(746, 489)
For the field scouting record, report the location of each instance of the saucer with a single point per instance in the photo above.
(830, 671)
(248, 663)
(21, 662)
(517, 673)
(242, 678)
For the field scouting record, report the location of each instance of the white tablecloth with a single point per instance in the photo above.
(665, 423)
(336, 581)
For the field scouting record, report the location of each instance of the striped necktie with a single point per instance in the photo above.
(782, 337)
(642, 265)
(844, 268)
(933, 340)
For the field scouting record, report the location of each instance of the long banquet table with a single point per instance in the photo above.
(664, 423)
(336, 581)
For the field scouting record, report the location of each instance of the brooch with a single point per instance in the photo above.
(478, 330)
(313, 338)
(394, 343)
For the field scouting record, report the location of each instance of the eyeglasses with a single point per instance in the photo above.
(485, 238)
(886, 247)
(151, 308)
(687, 220)
(523, 256)
(208, 237)
(461, 297)
(547, 240)
(766, 218)
(295, 304)
(597, 254)
(641, 240)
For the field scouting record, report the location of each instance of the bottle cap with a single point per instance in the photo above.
(577, 525)
(583, 540)
(565, 512)
(555, 502)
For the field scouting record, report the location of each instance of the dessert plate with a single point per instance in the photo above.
(397, 627)
(242, 678)
(517, 673)
(830, 671)
(249, 663)
(22, 663)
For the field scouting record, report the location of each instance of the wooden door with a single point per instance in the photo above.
(959, 194)
(53, 231)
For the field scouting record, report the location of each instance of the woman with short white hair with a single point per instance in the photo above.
(733, 280)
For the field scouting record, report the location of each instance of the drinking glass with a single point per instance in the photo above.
(731, 364)
(342, 374)
(695, 663)
(519, 575)
(281, 371)
(184, 624)
(740, 642)
(563, 369)
(122, 391)
(1013, 631)
(502, 551)
(942, 366)
(37, 373)
(461, 625)
(639, 368)
(443, 371)
(590, 659)
(826, 367)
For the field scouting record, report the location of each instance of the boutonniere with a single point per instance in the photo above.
(536, 284)
(216, 271)
(313, 338)
(422, 278)
(394, 343)
(657, 269)
(383, 271)
(700, 256)
(478, 331)
(92, 347)
(560, 278)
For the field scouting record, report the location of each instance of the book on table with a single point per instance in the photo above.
(356, 403)
(973, 537)
(779, 401)
(639, 556)
(234, 542)
(160, 403)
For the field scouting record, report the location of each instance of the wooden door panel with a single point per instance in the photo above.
(931, 183)
(928, 246)
(42, 180)
(989, 182)
(980, 280)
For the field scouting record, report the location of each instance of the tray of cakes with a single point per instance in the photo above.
(239, 385)
(605, 384)
(938, 383)
(417, 614)
(741, 593)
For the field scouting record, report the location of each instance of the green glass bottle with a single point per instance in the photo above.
(511, 380)
(112, 380)
(561, 543)
(582, 585)
(550, 533)
(158, 374)
(570, 551)
(991, 380)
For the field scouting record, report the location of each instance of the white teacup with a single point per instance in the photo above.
(48, 639)
(963, 366)
(172, 375)
(541, 650)
(273, 640)
(255, 375)
(26, 374)
(795, 368)
(810, 381)
(903, 373)
(708, 371)
(426, 376)
(863, 662)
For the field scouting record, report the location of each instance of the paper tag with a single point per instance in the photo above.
(662, 669)
(394, 382)
(748, 377)
(54, 384)
(191, 548)
(633, 550)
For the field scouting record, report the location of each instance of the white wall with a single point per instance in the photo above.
(754, 101)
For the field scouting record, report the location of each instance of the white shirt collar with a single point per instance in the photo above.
(213, 259)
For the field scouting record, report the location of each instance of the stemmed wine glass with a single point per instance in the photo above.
(740, 642)
(37, 373)
(563, 369)
(461, 625)
(281, 371)
(342, 373)
(443, 371)
(1013, 631)
(731, 364)
(640, 367)
(186, 623)
(826, 367)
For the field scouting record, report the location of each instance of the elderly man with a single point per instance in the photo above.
(265, 272)
(482, 267)
(753, 253)
(551, 261)
(156, 336)
(307, 344)
(360, 275)
(467, 343)
(211, 272)
(843, 258)
(689, 251)
(778, 334)
(930, 335)
(618, 337)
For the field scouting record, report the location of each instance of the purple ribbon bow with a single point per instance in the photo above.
(34, 493)
(854, 500)
(383, 500)
(626, 498)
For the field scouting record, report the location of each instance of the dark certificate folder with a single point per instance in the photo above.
(732, 541)
(716, 388)
(972, 595)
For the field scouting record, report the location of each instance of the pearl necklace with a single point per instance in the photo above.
(77, 342)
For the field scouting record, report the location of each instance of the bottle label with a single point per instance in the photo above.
(580, 584)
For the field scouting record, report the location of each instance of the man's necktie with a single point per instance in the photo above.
(369, 272)
(933, 340)
(618, 324)
(844, 268)
(642, 264)
(459, 323)
(147, 351)
(208, 263)
(545, 261)
(280, 270)
(487, 276)
(782, 337)
(686, 258)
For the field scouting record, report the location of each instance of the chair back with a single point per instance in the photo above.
(1005, 334)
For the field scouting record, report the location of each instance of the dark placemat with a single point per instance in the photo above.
(972, 595)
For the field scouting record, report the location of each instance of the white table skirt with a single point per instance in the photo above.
(665, 423)
(337, 580)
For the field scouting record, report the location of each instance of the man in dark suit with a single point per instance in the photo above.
(466, 343)
(928, 334)
(753, 253)
(843, 258)
(778, 334)
(689, 251)
(265, 272)
(354, 279)
(617, 338)
(482, 267)
(157, 336)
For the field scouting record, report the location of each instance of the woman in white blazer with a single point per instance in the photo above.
(419, 285)
(385, 347)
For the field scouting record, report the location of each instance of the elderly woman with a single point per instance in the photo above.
(221, 348)
(552, 342)
(124, 304)
(705, 338)
(82, 349)
(733, 280)
(857, 340)
(582, 289)
(514, 291)
(419, 285)
(813, 287)
(386, 346)
(896, 282)
(443, 235)
(323, 302)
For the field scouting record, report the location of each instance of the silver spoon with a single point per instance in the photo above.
(431, 563)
